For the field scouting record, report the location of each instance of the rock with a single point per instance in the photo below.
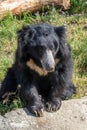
(71, 116)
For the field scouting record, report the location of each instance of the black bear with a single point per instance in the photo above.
(43, 68)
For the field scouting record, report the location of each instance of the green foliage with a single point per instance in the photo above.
(78, 6)
(6, 106)
(77, 38)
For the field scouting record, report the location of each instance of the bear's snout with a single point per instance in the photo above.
(47, 61)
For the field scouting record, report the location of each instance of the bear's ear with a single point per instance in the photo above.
(23, 39)
(63, 46)
(25, 34)
(20, 42)
(60, 31)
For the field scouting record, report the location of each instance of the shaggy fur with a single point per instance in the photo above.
(43, 68)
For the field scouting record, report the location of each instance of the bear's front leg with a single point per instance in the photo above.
(54, 96)
(32, 99)
(53, 103)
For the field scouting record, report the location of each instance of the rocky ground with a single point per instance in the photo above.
(71, 116)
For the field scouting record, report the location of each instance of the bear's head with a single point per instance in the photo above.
(40, 44)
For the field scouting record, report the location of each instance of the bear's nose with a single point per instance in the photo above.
(50, 68)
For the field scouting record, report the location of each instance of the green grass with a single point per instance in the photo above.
(5, 107)
(78, 6)
(77, 38)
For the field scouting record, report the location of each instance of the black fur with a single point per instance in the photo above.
(43, 43)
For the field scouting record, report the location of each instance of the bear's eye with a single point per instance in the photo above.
(45, 34)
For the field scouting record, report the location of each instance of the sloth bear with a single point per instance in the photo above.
(43, 68)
